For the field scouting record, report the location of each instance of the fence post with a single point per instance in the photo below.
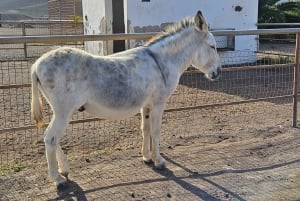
(296, 80)
(24, 34)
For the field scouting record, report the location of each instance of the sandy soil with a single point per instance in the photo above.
(227, 153)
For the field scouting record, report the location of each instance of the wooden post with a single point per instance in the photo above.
(24, 34)
(296, 80)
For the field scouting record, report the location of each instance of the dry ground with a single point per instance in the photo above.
(228, 153)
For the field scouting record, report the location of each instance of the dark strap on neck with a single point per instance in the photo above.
(152, 55)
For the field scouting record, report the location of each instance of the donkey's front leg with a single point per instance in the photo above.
(145, 126)
(64, 167)
(53, 134)
(156, 119)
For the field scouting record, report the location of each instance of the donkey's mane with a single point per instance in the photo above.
(171, 30)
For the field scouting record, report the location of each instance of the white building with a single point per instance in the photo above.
(152, 15)
(97, 19)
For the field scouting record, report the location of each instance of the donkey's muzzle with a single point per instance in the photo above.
(216, 75)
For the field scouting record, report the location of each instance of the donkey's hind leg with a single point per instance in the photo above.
(156, 119)
(52, 137)
(145, 126)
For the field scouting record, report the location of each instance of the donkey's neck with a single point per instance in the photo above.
(176, 51)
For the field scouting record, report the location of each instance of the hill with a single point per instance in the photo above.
(14, 17)
(20, 9)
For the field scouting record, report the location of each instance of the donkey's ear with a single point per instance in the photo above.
(200, 21)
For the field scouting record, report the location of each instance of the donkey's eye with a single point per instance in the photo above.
(212, 46)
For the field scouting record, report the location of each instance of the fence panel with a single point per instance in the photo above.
(36, 28)
(247, 92)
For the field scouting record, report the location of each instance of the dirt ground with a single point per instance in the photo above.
(229, 153)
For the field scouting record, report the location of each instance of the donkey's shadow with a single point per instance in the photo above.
(193, 189)
(169, 175)
(71, 192)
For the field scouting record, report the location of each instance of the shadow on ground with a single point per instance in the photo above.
(74, 192)
(71, 192)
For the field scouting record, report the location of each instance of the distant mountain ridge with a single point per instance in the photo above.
(23, 9)
(14, 17)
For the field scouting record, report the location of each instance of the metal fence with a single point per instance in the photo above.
(247, 91)
(35, 28)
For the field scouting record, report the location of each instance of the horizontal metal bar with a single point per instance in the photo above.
(15, 129)
(245, 68)
(85, 120)
(227, 104)
(256, 32)
(72, 38)
(21, 128)
(12, 48)
(129, 36)
(72, 21)
(39, 21)
(277, 54)
(14, 86)
(278, 24)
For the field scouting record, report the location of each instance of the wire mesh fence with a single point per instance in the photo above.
(36, 28)
(249, 93)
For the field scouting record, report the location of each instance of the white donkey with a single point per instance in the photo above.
(120, 85)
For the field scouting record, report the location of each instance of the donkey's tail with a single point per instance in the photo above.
(36, 101)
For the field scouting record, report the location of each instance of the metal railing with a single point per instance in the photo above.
(278, 24)
(132, 36)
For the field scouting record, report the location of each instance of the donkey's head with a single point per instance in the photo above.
(205, 58)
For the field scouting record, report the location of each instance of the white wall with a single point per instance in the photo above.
(220, 14)
(97, 18)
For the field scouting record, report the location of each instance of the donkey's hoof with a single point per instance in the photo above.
(61, 186)
(147, 161)
(61, 182)
(161, 165)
